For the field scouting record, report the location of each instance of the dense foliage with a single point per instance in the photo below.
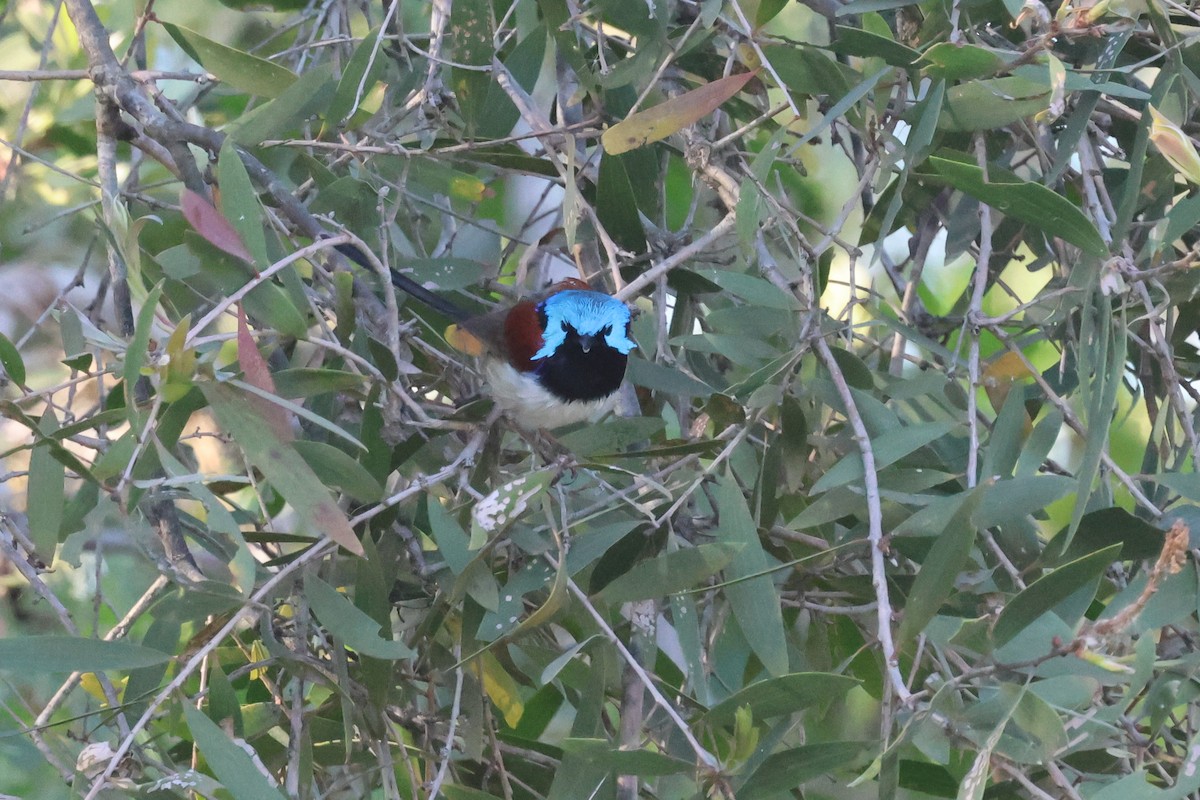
(899, 498)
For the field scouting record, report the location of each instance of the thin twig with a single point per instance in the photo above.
(978, 288)
(702, 754)
(883, 611)
(436, 787)
(676, 259)
(248, 612)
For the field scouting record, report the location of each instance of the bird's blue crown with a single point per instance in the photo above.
(588, 313)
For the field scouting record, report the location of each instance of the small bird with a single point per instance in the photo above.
(550, 360)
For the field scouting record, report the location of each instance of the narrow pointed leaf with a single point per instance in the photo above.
(228, 760)
(669, 573)
(282, 466)
(755, 600)
(240, 70)
(1028, 202)
(35, 654)
(935, 581)
(666, 118)
(1048, 591)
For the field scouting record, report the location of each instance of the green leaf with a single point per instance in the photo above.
(47, 488)
(223, 700)
(616, 205)
(282, 465)
(1136, 786)
(471, 28)
(239, 203)
(10, 358)
(864, 44)
(259, 5)
(888, 448)
(935, 580)
(1046, 593)
(963, 62)
(1182, 218)
(32, 655)
(1039, 444)
(669, 573)
(625, 762)
(347, 622)
(920, 141)
(309, 95)
(751, 288)
(452, 540)
(1004, 444)
(659, 378)
(1028, 202)
(264, 398)
(854, 369)
(497, 114)
(808, 71)
(1108, 526)
(339, 470)
(362, 72)
(242, 71)
(503, 505)
(64, 456)
(1007, 501)
(227, 760)
(988, 104)
(784, 695)
(786, 770)
(268, 303)
(866, 6)
(594, 541)
(1186, 484)
(137, 351)
(752, 596)
(930, 779)
(611, 436)
(767, 11)
(446, 274)
(309, 381)
(453, 792)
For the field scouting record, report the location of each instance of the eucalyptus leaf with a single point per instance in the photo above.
(63, 654)
(669, 573)
(1050, 590)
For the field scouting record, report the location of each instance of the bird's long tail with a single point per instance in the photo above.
(408, 285)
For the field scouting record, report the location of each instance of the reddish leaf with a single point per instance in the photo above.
(256, 373)
(209, 223)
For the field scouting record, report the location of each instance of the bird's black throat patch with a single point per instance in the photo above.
(570, 374)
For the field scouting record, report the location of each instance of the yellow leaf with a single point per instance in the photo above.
(1008, 367)
(91, 685)
(675, 114)
(1175, 146)
(501, 689)
(258, 655)
(999, 377)
(180, 363)
(1104, 662)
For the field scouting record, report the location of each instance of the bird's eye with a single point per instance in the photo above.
(566, 328)
(606, 331)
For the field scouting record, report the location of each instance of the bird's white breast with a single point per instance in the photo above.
(530, 405)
